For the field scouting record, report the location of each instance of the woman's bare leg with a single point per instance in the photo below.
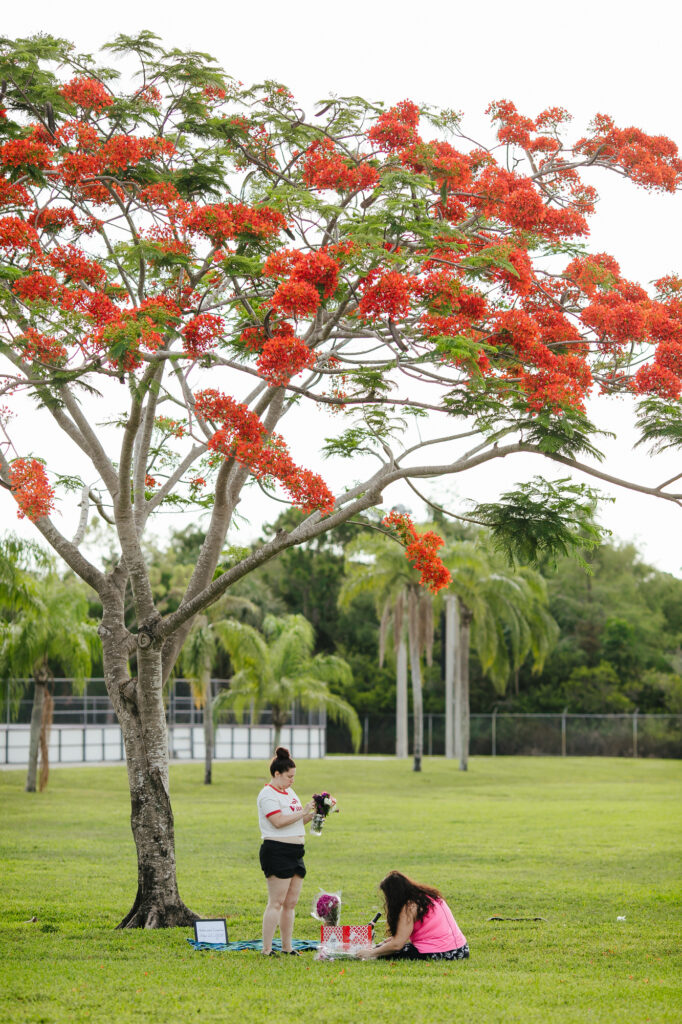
(277, 892)
(286, 921)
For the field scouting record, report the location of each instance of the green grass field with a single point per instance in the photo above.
(578, 842)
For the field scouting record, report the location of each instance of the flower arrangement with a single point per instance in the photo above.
(325, 804)
(327, 907)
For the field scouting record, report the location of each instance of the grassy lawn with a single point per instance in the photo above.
(577, 842)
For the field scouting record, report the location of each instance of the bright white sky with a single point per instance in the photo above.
(616, 58)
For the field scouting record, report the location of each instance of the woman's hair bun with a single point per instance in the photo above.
(282, 761)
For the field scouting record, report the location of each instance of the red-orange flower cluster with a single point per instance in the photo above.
(421, 551)
(222, 221)
(16, 234)
(324, 167)
(387, 294)
(88, 93)
(31, 489)
(282, 357)
(397, 128)
(650, 160)
(201, 333)
(52, 218)
(40, 348)
(243, 437)
(30, 152)
(311, 277)
(654, 379)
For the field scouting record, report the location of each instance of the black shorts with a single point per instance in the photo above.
(283, 860)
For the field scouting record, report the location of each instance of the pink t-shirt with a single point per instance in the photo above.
(438, 932)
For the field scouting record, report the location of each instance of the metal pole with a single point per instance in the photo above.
(365, 742)
(563, 732)
(430, 735)
(634, 733)
(494, 732)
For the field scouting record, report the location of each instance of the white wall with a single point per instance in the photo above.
(74, 744)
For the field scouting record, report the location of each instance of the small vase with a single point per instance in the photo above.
(316, 824)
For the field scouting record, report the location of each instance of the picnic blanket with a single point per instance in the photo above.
(300, 945)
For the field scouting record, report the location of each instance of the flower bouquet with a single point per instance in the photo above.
(327, 907)
(325, 804)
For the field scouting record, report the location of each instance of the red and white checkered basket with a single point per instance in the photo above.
(347, 935)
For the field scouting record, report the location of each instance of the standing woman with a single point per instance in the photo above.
(281, 818)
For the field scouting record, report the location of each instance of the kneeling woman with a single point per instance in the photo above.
(281, 818)
(420, 922)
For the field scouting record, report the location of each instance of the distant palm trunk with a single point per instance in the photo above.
(42, 677)
(278, 720)
(415, 672)
(465, 634)
(45, 729)
(208, 735)
(401, 700)
(452, 677)
(34, 738)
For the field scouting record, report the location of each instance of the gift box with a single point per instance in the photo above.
(346, 935)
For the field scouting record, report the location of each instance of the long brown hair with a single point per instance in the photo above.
(398, 890)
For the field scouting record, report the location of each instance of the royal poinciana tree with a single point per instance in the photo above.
(207, 257)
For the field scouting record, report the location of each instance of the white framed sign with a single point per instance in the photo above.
(212, 930)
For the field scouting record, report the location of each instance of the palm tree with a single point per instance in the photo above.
(503, 612)
(17, 582)
(18, 589)
(54, 629)
(376, 564)
(197, 659)
(277, 668)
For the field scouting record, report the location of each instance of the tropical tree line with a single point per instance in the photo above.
(615, 644)
(344, 625)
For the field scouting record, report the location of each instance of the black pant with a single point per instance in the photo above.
(410, 952)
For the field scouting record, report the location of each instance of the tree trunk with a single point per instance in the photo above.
(416, 673)
(34, 739)
(208, 735)
(45, 729)
(401, 700)
(451, 674)
(141, 715)
(465, 633)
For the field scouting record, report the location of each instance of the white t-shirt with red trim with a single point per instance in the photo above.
(272, 801)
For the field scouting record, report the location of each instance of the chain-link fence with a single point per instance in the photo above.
(499, 733)
(93, 707)
(572, 735)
